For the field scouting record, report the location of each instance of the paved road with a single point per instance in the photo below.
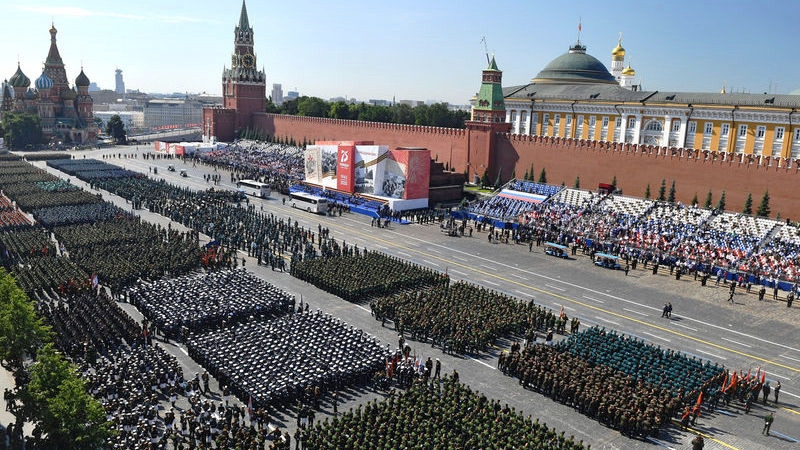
(745, 335)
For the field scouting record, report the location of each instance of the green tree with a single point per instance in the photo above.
(403, 114)
(485, 178)
(289, 107)
(116, 129)
(543, 176)
(662, 191)
(748, 204)
(22, 130)
(21, 330)
(614, 183)
(721, 203)
(671, 197)
(531, 172)
(56, 400)
(707, 203)
(339, 110)
(763, 208)
(421, 114)
(647, 192)
(312, 107)
(526, 176)
(577, 183)
(439, 116)
(272, 108)
(499, 180)
(694, 199)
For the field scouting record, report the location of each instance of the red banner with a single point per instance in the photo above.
(346, 170)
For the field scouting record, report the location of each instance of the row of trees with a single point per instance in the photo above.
(52, 394)
(21, 130)
(762, 211)
(436, 115)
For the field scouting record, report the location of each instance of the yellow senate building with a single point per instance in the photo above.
(576, 96)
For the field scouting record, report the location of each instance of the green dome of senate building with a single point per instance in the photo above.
(575, 66)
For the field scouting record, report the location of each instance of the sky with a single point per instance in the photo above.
(410, 50)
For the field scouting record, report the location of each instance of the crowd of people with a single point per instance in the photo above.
(278, 165)
(688, 237)
(443, 414)
(198, 302)
(275, 361)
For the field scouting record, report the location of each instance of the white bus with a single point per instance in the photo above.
(309, 202)
(254, 188)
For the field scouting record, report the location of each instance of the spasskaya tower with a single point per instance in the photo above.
(244, 88)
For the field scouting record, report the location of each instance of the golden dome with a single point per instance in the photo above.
(618, 51)
(629, 71)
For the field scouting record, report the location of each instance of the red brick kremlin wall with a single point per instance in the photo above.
(594, 162)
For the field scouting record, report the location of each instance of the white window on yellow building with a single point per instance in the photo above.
(758, 145)
(545, 123)
(741, 140)
(725, 129)
(556, 124)
(724, 133)
(568, 126)
(592, 125)
(579, 128)
(777, 142)
(523, 122)
(604, 130)
(617, 126)
(691, 129)
(676, 125)
(708, 128)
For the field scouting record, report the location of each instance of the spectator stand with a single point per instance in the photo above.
(513, 200)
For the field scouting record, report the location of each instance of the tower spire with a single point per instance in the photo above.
(244, 24)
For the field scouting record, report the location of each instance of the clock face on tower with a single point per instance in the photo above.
(248, 61)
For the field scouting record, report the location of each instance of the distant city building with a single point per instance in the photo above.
(411, 103)
(277, 94)
(376, 102)
(120, 85)
(133, 120)
(93, 87)
(292, 95)
(66, 112)
(244, 88)
(172, 113)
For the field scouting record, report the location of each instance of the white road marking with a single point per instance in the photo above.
(405, 254)
(635, 312)
(458, 272)
(481, 362)
(606, 320)
(772, 374)
(711, 354)
(736, 342)
(656, 336)
(517, 276)
(363, 307)
(593, 299)
(555, 287)
(488, 267)
(430, 262)
(789, 357)
(790, 394)
(684, 326)
(521, 292)
(490, 282)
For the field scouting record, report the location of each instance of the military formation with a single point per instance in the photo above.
(275, 361)
(442, 414)
(198, 302)
(357, 275)
(261, 346)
